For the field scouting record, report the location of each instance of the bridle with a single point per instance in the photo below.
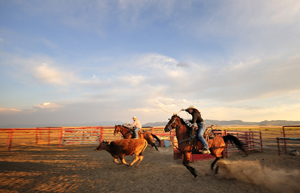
(171, 126)
(120, 127)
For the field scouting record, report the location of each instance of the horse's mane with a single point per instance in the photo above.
(182, 121)
(123, 126)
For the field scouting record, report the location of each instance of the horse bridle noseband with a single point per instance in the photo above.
(170, 125)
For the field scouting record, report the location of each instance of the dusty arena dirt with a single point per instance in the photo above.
(81, 169)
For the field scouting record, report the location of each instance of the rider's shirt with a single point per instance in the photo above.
(137, 124)
(196, 116)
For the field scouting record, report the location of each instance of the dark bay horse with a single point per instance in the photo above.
(125, 131)
(216, 145)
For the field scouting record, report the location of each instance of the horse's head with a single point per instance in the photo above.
(122, 129)
(117, 129)
(174, 121)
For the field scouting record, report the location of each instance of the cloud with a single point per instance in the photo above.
(239, 53)
(133, 81)
(9, 110)
(144, 110)
(182, 64)
(47, 105)
(52, 75)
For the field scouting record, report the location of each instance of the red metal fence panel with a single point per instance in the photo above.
(291, 135)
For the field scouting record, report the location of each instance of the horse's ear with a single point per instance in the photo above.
(169, 119)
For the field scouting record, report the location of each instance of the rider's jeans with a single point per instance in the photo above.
(136, 132)
(201, 131)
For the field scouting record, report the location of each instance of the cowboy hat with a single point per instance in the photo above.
(190, 107)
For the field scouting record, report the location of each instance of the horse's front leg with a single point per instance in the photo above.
(186, 160)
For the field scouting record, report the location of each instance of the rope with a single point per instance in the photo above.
(172, 113)
(169, 101)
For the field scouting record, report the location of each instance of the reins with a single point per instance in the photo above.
(120, 131)
(174, 144)
(170, 135)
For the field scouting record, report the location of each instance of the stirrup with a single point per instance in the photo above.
(204, 151)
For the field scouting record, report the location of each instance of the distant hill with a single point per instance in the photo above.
(155, 124)
(234, 122)
(279, 123)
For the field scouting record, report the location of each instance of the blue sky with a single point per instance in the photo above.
(87, 61)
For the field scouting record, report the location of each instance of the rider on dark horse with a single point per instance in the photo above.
(197, 121)
(136, 126)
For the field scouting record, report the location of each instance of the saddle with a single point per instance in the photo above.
(208, 134)
(141, 131)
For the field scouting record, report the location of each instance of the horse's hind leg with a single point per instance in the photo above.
(212, 165)
(153, 145)
(214, 162)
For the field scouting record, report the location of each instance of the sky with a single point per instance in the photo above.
(81, 61)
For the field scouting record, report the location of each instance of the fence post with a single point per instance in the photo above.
(61, 135)
(278, 146)
(58, 135)
(8, 138)
(48, 135)
(11, 138)
(41, 134)
(226, 146)
(283, 131)
(37, 136)
(261, 144)
(248, 141)
(101, 135)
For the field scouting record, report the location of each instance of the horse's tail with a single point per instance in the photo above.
(156, 138)
(236, 141)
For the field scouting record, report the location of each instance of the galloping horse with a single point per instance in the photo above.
(216, 145)
(125, 131)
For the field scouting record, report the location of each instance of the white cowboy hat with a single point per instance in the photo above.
(134, 117)
(190, 107)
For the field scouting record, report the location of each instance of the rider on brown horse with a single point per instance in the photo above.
(197, 121)
(136, 126)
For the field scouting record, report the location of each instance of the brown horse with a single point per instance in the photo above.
(125, 131)
(216, 145)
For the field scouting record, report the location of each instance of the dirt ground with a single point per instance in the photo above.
(81, 169)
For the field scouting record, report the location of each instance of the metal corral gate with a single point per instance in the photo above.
(293, 137)
(80, 135)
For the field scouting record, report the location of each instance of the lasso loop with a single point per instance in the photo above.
(167, 100)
